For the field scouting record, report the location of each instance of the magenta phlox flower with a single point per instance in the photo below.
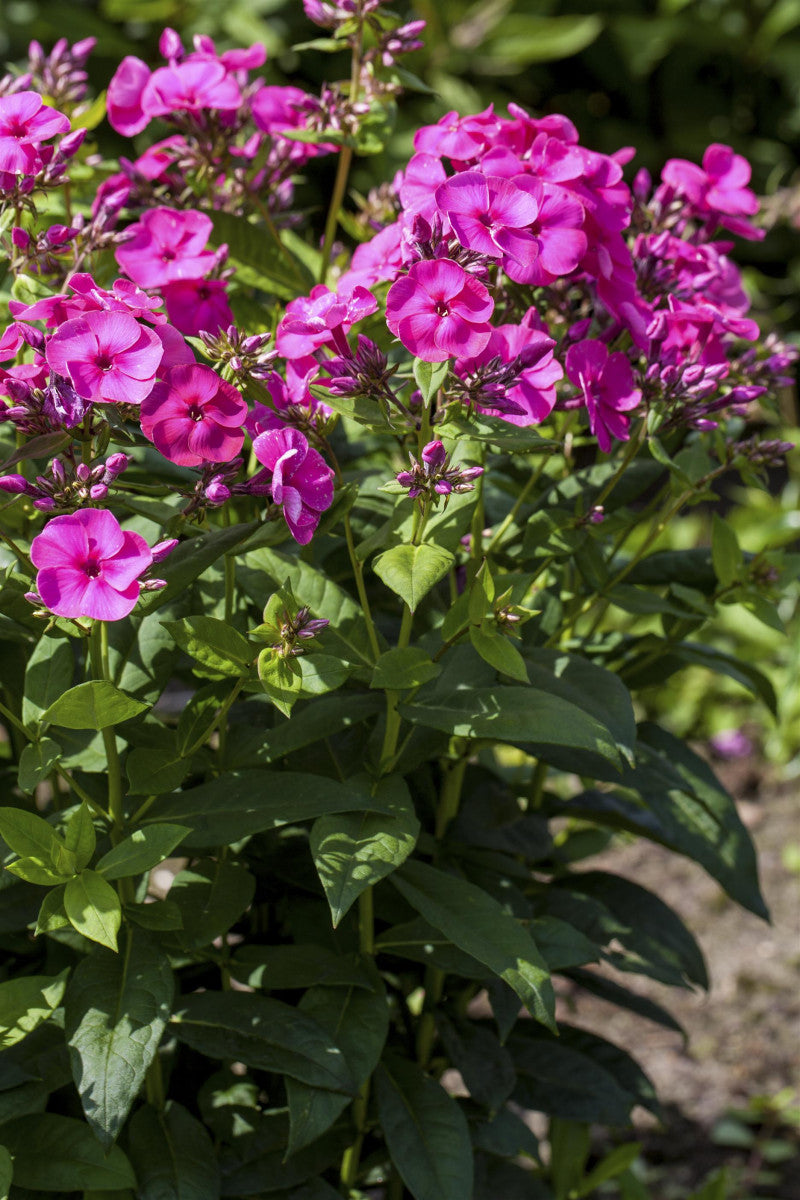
(290, 397)
(25, 123)
(380, 260)
(322, 319)
(700, 332)
(302, 482)
(489, 215)
(451, 137)
(175, 350)
(124, 96)
(558, 243)
(417, 191)
(531, 399)
(88, 566)
(718, 187)
(194, 305)
(607, 386)
(277, 111)
(194, 417)
(190, 86)
(167, 245)
(108, 357)
(438, 311)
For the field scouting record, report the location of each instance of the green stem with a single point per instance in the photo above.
(358, 575)
(221, 715)
(154, 1084)
(14, 720)
(116, 809)
(521, 499)
(538, 780)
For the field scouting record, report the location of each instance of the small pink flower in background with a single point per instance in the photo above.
(166, 246)
(124, 97)
(731, 744)
(25, 122)
(88, 566)
(720, 185)
(489, 215)
(302, 482)
(194, 417)
(606, 381)
(190, 86)
(197, 304)
(438, 311)
(107, 356)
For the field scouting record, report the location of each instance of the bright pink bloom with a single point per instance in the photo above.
(558, 241)
(107, 356)
(421, 178)
(124, 99)
(438, 311)
(534, 394)
(719, 186)
(190, 86)
(490, 215)
(321, 319)
(167, 245)
(194, 417)
(198, 304)
(302, 482)
(88, 566)
(25, 122)
(606, 381)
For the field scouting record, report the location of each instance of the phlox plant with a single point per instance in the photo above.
(330, 577)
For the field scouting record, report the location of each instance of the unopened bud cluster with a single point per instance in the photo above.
(433, 476)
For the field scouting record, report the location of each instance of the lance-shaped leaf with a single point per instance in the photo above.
(477, 924)
(261, 1033)
(141, 850)
(426, 1132)
(26, 1002)
(190, 559)
(59, 1154)
(173, 1155)
(47, 676)
(210, 896)
(96, 704)
(213, 643)
(116, 1010)
(36, 762)
(411, 571)
(93, 908)
(353, 851)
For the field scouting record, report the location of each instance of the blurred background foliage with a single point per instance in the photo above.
(665, 76)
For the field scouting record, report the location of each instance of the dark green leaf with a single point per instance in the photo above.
(562, 1080)
(607, 989)
(275, 968)
(353, 851)
(27, 1001)
(190, 559)
(262, 1033)
(211, 896)
(411, 571)
(96, 704)
(213, 643)
(486, 1067)
(426, 1132)
(499, 652)
(59, 1154)
(6, 1172)
(141, 850)
(116, 1010)
(477, 924)
(173, 1155)
(93, 908)
(47, 676)
(36, 762)
(261, 259)
(684, 654)
(153, 772)
(404, 667)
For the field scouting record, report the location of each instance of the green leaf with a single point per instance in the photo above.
(211, 896)
(43, 446)
(609, 1167)
(279, 968)
(404, 667)
(426, 1132)
(213, 643)
(683, 654)
(499, 652)
(521, 716)
(26, 1002)
(485, 1066)
(31, 836)
(521, 39)
(608, 990)
(477, 924)
(264, 1034)
(173, 1155)
(560, 1078)
(96, 704)
(261, 260)
(115, 1012)
(346, 635)
(725, 552)
(141, 850)
(354, 851)
(6, 1172)
(286, 680)
(429, 377)
(59, 1154)
(322, 719)
(36, 762)
(160, 916)
(52, 914)
(241, 803)
(36, 870)
(191, 558)
(411, 571)
(153, 772)
(93, 908)
(48, 675)
(358, 1021)
(79, 835)
(198, 717)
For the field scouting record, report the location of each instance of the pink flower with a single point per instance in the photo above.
(107, 356)
(190, 86)
(438, 311)
(489, 215)
(719, 186)
(198, 304)
(534, 393)
(124, 99)
(606, 381)
(558, 242)
(88, 566)
(302, 482)
(194, 417)
(167, 245)
(25, 122)
(321, 319)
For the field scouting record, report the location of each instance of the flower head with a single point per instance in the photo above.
(606, 381)
(302, 482)
(194, 417)
(438, 311)
(88, 566)
(25, 122)
(166, 246)
(107, 356)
